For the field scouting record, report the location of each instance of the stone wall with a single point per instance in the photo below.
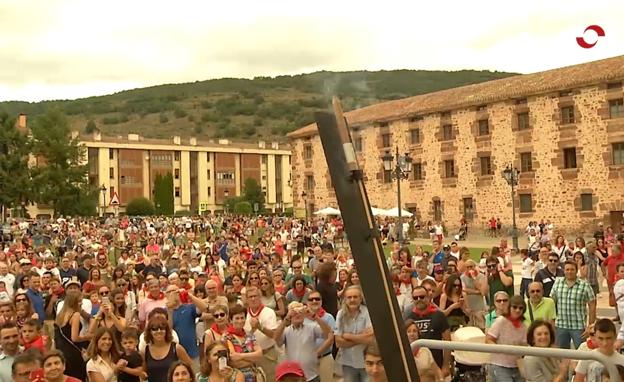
(555, 191)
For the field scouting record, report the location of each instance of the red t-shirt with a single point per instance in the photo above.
(611, 263)
(36, 343)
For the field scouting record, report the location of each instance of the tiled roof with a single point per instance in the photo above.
(519, 86)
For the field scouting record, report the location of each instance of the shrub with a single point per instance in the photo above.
(183, 213)
(90, 127)
(110, 120)
(179, 113)
(242, 208)
(205, 104)
(163, 118)
(140, 207)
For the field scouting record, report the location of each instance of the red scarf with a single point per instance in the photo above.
(299, 294)
(429, 310)
(321, 312)
(257, 313)
(516, 323)
(236, 332)
(591, 345)
(215, 328)
(161, 295)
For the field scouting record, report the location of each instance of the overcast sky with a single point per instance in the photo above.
(57, 49)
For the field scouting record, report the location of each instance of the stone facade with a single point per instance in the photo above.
(574, 139)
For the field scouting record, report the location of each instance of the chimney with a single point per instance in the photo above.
(193, 141)
(275, 145)
(261, 144)
(224, 142)
(97, 135)
(176, 139)
(133, 137)
(75, 134)
(21, 122)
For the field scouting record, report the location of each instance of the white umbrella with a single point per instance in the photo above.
(394, 212)
(378, 211)
(328, 211)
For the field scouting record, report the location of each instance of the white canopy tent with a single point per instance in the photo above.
(328, 211)
(378, 211)
(394, 212)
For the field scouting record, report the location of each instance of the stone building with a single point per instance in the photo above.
(562, 128)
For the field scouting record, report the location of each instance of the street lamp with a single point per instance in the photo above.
(103, 190)
(304, 196)
(399, 166)
(511, 176)
(226, 194)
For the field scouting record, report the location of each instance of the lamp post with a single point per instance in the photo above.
(226, 194)
(400, 166)
(103, 190)
(511, 175)
(304, 196)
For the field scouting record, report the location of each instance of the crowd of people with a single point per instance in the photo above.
(228, 298)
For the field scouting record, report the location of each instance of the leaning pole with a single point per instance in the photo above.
(363, 235)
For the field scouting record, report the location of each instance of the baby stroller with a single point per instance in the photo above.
(469, 366)
(461, 235)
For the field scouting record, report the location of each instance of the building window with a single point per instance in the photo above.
(128, 179)
(111, 172)
(569, 157)
(111, 154)
(526, 203)
(357, 144)
(309, 184)
(177, 192)
(307, 152)
(437, 210)
(208, 175)
(616, 108)
(523, 121)
(387, 176)
(415, 136)
(486, 165)
(209, 191)
(417, 169)
(449, 168)
(176, 156)
(618, 153)
(526, 162)
(385, 140)
(484, 127)
(586, 202)
(468, 209)
(447, 132)
(225, 177)
(176, 173)
(614, 85)
(567, 114)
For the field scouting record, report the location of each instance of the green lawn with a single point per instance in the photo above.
(475, 253)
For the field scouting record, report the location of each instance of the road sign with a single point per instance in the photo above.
(114, 200)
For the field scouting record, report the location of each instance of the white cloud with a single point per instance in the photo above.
(73, 48)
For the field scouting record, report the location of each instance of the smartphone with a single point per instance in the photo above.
(223, 359)
(105, 300)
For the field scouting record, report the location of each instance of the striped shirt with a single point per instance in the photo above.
(571, 303)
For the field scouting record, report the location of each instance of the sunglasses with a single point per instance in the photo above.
(492, 266)
(104, 293)
(219, 315)
(501, 301)
(21, 300)
(517, 307)
(299, 267)
(535, 291)
(419, 297)
(457, 285)
(253, 278)
(159, 329)
(314, 299)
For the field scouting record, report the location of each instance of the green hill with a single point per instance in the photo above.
(264, 107)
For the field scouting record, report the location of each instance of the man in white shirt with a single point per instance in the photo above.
(262, 322)
(8, 278)
(590, 370)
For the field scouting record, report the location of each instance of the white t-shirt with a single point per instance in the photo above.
(593, 369)
(527, 268)
(268, 320)
(618, 291)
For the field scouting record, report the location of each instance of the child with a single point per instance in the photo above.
(528, 268)
(31, 335)
(131, 364)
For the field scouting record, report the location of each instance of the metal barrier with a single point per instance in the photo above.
(614, 376)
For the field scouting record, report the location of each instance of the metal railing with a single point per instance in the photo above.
(522, 351)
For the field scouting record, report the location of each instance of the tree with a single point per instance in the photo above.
(163, 194)
(140, 207)
(253, 194)
(242, 208)
(90, 127)
(14, 172)
(60, 177)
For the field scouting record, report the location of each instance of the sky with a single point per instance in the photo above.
(66, 49)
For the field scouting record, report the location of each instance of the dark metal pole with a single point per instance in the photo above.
(398, 174)
(514, 229)
(363, 235)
